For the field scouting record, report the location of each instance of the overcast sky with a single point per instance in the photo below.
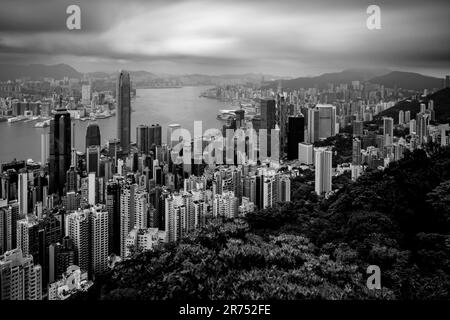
(281, 37)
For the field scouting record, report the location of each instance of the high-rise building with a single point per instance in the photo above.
(142, 138)
(296, 135)
(356, 152)
(155, 136)
(113, 208)
(99, 240)
(407, 116)
(388, 130)
(60, 257)
(268, 121)
(127, 214)
(60, 150)
(422, 122)
(20, 278)
(23, 192)
(357, 128)
(327, 120)
(45, 150)
(86, 94)
(313, 125)
(447, 82)
(172, 141)
(401, 117)
(93, 137)
(123, 113)
(323, 170)
(306, 153)
(78, 231)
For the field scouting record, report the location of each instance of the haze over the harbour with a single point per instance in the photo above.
(292, 38)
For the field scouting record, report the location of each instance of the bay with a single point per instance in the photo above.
(22, 141)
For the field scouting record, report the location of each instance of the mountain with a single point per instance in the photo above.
(345, 76)
(407, 80)
(441, 100)
(37, 71)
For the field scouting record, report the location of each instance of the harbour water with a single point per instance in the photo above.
(22, 141)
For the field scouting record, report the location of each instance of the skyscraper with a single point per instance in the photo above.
(323, 170)
(155, 136)
(268, 120)
(93, 137)
(305, 153)
(357, 128)
(327, 120)
(142, 138)
(388, 130)
(313, 125)
(172, 141)
(60, 148)
(124, 110)
(93, 159)
(296, 134)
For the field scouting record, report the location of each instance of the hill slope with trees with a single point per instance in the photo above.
(312, 248)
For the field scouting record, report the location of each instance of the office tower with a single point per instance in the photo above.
(85, 94)
(45, 151)
(73, 281)
(388, 130)
(93, 137)
(412, 126)
(268, 120)
(23, 192)
(99, 240)
(401, 117)
(447, 82)
(142, 138)
(313, 125)
(305, 153)
(93, 160)
(296, 134)
(170, 130)
(92, 189)
(407, 116)
(323, 170)
(357, 128)
(356, 152)
(327, 120)
(20, 278)
(123, 112)
(141, 240)
(61, 256)
(422, 122)
(60, 150)
(154, 136)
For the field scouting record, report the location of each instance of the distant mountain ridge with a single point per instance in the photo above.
(322, 81)
(408, 80)
(37, 71)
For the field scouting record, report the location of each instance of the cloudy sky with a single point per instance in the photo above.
(281, 37)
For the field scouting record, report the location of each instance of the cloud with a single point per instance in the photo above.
(282, 37)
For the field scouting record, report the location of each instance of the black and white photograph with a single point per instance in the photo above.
(224, 157)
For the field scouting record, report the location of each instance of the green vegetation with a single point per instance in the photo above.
(312, 248)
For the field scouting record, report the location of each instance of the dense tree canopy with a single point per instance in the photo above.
(312, 248)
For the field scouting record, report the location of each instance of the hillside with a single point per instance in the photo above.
(398, 219)
(441, 100)
(323, 80)
(407, 80)
(37, 71)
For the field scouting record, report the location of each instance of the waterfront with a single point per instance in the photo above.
(163, 106)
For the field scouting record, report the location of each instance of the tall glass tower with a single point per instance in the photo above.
(124, 110)
(60, 148)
